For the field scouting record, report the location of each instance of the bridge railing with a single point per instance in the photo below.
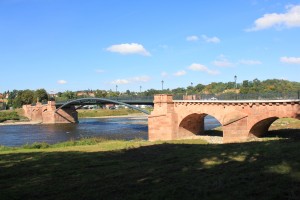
(249, 96)
(223, 96)
(119, 98)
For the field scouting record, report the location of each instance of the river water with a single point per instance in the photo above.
(124, 128)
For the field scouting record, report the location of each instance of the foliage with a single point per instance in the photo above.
(105, 112)
(100, 93)
(9, 115)
(17, 98)
(69, 95)
(41, 95)
(36, 145)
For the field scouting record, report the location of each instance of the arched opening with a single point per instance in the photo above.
(274, 127)
(199, 125)
(262, 127)
(212, 127)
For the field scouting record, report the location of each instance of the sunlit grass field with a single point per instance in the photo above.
(186, 169)
(95, 168)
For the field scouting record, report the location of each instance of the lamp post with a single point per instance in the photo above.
(192, 84)
(235, 77)
(140, 88)
(116, 88)
(162, 85)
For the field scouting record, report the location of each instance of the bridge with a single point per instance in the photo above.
(240, 119)
(181, 119)
(65, 111)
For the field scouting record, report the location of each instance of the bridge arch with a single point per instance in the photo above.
(193, 124)
(261, 127)
(83, 101)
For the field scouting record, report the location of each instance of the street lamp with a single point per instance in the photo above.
(116, 88)
(192, 84)
(162, 85)
(140, 88)
(235, 77)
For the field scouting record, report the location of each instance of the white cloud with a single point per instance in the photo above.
(140, 79)
(120, 82)
(289, 19)
(126, 48)
(250, 62)
(210, 39)
(137, 79)
(192, 38)
(62, 82)
(99, 71)
(290, 60)
(222, 62)
(164, 46)
(180, 73)
(203, 68)
(164, 74)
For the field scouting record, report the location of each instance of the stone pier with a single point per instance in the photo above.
(45, 113)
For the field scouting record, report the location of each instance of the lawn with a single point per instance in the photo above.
(187, 169)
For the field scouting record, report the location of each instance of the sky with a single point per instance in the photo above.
(75, 45)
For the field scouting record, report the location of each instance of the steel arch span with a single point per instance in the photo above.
(86, 101)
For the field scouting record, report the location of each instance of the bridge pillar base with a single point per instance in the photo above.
(46, 113)
(162, 122)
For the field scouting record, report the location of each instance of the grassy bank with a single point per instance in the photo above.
(9, 115)
(105, 112)
(188, 169)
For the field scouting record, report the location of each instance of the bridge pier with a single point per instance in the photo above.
(45, 113)
(163, 120)
(240, 120)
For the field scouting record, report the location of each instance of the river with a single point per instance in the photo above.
(125, 128)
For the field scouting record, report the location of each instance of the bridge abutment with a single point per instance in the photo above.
(45, 113)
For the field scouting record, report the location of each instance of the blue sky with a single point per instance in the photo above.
(97, 44)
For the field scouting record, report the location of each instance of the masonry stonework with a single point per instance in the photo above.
(240, 120)
(45, 113)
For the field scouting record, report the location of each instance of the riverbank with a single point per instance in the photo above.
(107, 113)
(18, 119)
(185, 169)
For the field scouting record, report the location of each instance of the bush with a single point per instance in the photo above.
(36, 145)
(9, 115)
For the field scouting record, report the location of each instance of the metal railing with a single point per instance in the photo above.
(222, 96)
(236, 96)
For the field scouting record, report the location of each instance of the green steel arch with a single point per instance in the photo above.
(86, 101)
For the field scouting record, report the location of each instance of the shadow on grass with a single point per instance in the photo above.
(263, 170)
(213, 132)
(281, 133)
(284, 133)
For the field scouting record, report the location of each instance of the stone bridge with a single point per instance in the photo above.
(241, 120)
(48, 114)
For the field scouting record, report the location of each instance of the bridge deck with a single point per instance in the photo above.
(240, 101)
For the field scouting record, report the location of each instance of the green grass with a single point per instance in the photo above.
(186, 169)
(105, 112)
(9, 115)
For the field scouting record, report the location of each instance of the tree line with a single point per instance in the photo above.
(17, 98)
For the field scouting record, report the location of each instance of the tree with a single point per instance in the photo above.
(100, 93)
(27, 97)
(69, 95)
(41, 95)
(198, 88)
